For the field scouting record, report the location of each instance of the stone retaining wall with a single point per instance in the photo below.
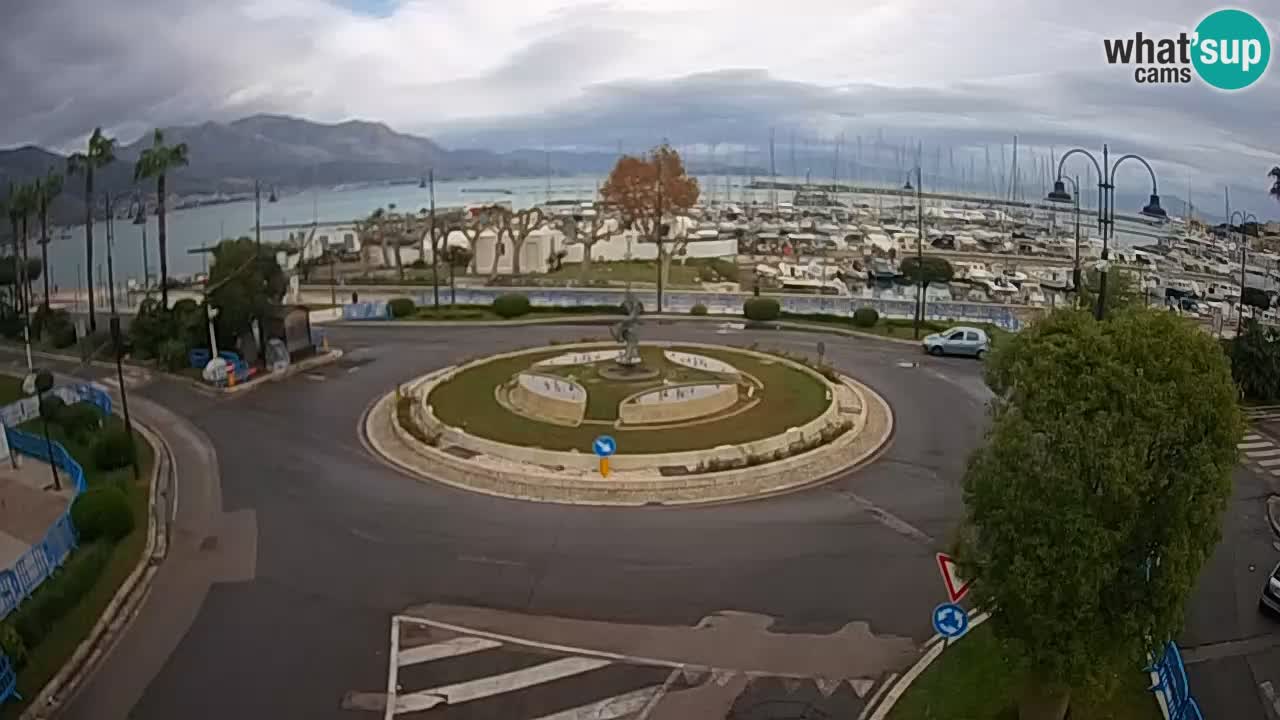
(631, 412)
(548, 408)
(584, 461)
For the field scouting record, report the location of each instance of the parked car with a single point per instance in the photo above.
(958, 341)
(1270, 599)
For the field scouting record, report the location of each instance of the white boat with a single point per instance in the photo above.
(979, 274)
(1222, 291)
(1053, 278)
(998, 286)
(1032, 294)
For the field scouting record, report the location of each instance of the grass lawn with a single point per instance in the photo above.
(55, 649)
(790, 398)
(10, 389)
(976, 680)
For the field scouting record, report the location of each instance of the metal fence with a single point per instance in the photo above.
(1171, 685)
(726, 303)
(18, 582)
(28, 408)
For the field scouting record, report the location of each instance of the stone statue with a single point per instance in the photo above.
(625, 332)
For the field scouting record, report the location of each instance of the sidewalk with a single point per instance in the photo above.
(27, 510)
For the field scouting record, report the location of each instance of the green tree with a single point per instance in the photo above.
(157, 162)
(49, 190)
(926, 270)
(1255, 362)
(100, 153)
(1274, 176)
(244, 282)
(24, 201)
(1255, 297)
(1122, 290)
(456, 257)
(1099, 493)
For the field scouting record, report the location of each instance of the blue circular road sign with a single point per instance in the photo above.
(604, 446)
(950, 620)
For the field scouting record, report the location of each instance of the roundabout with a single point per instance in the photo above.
(692, 423)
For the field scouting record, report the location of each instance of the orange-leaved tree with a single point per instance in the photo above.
(648, 192)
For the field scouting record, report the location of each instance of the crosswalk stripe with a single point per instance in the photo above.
(445, 649)
(496, 684)
(1269, 463)
(608, 709)
(1252, 438)
(1254, 454)
(1252, 445)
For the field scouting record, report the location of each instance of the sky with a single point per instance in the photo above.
(503, 74)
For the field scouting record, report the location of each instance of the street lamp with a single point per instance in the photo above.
(1106, 206)
(1074, 197)
(1244, 251)
(135, 201)
(915, 328)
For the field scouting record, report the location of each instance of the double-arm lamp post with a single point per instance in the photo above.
(1106, 206)
(1244, 253)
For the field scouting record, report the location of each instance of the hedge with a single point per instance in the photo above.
(698, 309)
(113, 449)
(511, 305)
(102, 513)
(865, 317)
(761, 309)
(401, 307)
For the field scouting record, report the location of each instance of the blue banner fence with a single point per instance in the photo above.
(38, 563)
(729, 303)
(1171, 685)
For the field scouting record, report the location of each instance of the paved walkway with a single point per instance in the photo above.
(27, 509)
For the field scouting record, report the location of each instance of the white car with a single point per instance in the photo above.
(961, 340)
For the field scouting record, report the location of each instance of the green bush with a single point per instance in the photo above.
(401, 307)
(114, 449)
(865, 317)
(12, 645)
(79, 421)
(698, 309)
(102, 513)
(511, 305)
(53, 408)
(761, 309)
(40, 614)
(172, 354)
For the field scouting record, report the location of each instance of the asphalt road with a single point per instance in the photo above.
(345, 542)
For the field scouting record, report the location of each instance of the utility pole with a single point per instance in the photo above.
(257, 242)
(919, 252)
(435, 254)
(116, 342)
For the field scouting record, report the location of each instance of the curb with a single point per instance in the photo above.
(128, 596)
(596, 319)
(893, 688)
(315, 361)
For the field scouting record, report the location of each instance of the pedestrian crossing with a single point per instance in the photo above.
(1262, 413)
(443, 672)
(1260, 452)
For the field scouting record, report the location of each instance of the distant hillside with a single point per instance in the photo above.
(278, 150)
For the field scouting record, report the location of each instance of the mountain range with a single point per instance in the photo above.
(288, 152)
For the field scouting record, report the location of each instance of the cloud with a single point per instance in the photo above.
(590, 74)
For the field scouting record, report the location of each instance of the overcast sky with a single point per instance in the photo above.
(553, 73)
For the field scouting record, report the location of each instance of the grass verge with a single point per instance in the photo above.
(55, 648)
(978, 679)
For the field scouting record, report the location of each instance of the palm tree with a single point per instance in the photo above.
(49, 192)
(101, 152)
(11, 209)
(1275, 183)
(156, 162)
(24, 203)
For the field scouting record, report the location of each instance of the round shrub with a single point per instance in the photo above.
(698, 309)
(102, 513)
(80, 420)
(113, 449)
(172, 354)
(511, 305)
(865, 317)
(761, 309)
(401, 307)
(53, 408)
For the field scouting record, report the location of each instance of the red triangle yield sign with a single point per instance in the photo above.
(956, 588)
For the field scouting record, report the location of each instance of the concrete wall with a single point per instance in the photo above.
(561, 411)
(633, 413)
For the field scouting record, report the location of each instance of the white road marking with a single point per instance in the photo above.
(1253, 445)
(608, 709)
(1263, 453)
(391, 673)
(1251, 438)
(1269, 463)
(445, 649)
(497, 684)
